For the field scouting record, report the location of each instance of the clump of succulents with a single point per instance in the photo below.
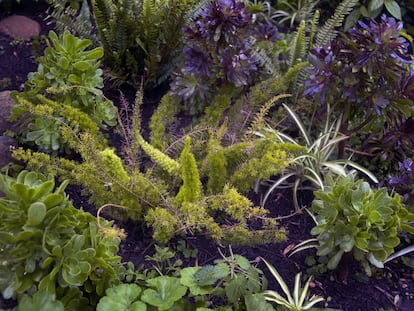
(219, 52)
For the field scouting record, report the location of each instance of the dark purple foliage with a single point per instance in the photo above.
(365, 67)
(218, 52)
(403, 182)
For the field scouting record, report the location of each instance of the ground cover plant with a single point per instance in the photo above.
(176, 152)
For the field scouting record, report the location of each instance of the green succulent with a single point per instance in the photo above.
(68, 73)
(353, 217)
(49, 246)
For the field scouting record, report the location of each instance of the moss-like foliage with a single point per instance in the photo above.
(190, 191)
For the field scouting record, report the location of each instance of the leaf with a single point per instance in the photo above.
(82, 65)
(36, 213)
(393, 7)
(210, 274)
(375, 5)
(42, 190)
(334, 261)
(52, 200)
(122, 297)
(94, 54)
(40, 301)
(188, 279)
(167, 290)
(257, 302)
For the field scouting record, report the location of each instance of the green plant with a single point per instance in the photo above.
(316, 163)
(141, 38)
(231, 283)
(372, 9)
(69, 74)
(176, 196)
(52, 249)
(354, 219)
(299, 299)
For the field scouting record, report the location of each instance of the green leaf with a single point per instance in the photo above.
(43, 190)
(122, 297)
(40, 301)
(82, 65)
(94, 54)
(393, 7)
(36, 213)
(166, 290)
(210, 274)
(335, 259)
(375, 5)
(257, 302)
(188, 279)
(52, 200)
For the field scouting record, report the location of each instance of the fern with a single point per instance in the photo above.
(328, 31)
(258, 121)
(298, 50)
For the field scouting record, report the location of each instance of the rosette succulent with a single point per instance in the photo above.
(219, 52)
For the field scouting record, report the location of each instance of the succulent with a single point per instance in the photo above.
(219, 52)
(353, 218)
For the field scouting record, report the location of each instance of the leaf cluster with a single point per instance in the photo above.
(231, 283)
(353, 218)
(50, 247)
(140, 38)
(68, 73)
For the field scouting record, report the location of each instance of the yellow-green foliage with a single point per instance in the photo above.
(190, 190)
(267, 159)
(164, 224)
(214, 111)
(158, 157)
(163, 116)
(113, 165)
(235, 205)
(215, 165)
(261, 92)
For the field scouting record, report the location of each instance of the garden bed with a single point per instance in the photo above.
(347, 288)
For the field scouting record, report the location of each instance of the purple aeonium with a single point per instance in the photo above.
(378, 43)
(238, 66)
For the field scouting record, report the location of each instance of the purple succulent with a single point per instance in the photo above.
(364, 67)
(238, 66)
(267, 32)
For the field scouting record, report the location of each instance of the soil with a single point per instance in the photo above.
(348, 289)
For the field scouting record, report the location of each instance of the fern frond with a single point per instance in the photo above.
(329, 31)
(258, 120)
(299, 45)
(259, 56)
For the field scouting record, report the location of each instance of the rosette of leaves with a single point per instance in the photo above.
(68, 73)
(366, 72)
(354, 219)
(219, 53)
(51, 248)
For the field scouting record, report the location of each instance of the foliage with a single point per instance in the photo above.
(403, 181)
(232, 282)
(180, 198)
(353, 218)
(140, 38)
(296, 301)
(72, 15)
(51, 248)
(365, 73)
(219, 53)
(315, 163)
(372, 9)
(69, 74)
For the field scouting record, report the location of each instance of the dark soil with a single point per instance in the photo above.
(348, 289)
